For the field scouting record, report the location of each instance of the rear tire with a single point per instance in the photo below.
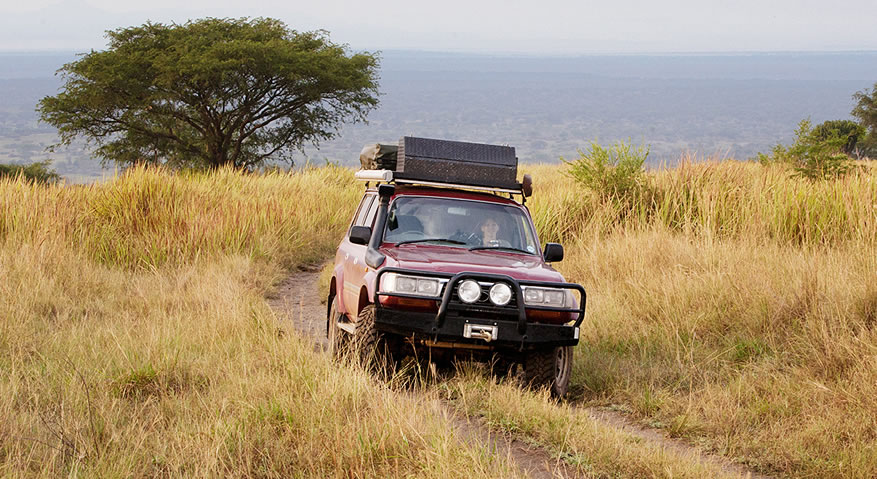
(549, 368)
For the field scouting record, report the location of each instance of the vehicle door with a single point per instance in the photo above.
(354, 257)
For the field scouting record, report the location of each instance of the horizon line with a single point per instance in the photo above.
(488, 53)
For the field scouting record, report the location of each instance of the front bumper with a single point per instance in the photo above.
(421, 325)
(454, 318)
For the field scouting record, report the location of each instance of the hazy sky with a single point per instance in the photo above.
(511, 26)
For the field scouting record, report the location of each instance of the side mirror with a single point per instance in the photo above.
(360, 235)
(527, 186)
(553, 252)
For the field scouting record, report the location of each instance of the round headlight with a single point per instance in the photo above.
(500, 294)
(469, 291)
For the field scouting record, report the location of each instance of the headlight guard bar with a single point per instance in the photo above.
(454, 279)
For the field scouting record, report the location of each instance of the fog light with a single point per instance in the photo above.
(469, 291)
(500, 294)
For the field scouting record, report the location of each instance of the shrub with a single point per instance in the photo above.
(615, 173)
(779, 154)
(38, 172)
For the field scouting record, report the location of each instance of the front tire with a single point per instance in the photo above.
(503, 365)
(549, 368)
(374, 349)
(338, 339)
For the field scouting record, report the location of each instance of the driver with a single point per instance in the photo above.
(490, 234)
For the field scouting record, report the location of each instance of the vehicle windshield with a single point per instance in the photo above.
(459, 223)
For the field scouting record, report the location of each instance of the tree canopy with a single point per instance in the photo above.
(845, 133)
(211, 92)
(866, 108)
(866, 111)
(38, 172)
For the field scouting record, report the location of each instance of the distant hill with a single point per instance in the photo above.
(734, 104)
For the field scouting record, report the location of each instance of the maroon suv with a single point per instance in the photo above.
(457, 272)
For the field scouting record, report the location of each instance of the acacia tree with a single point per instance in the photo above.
(211, 92)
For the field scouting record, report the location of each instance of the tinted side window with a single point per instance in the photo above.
(362, 206)
(364, 210)
(372, 212)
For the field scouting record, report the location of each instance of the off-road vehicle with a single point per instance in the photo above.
(441, 260)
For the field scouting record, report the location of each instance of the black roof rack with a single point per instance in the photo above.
(386, 176)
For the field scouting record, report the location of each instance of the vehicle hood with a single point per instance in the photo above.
(445, 259)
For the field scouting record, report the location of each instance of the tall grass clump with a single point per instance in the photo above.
(726, 199)
(147, 217)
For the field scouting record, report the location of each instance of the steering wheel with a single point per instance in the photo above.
(468, 238)
(499, 243)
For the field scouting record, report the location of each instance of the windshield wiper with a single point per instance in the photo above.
(426, 240)
(504, 248)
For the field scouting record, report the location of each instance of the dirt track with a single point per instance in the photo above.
(297, 300)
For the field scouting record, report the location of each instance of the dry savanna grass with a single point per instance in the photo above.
(721, 200)
(732, 305)
(739, 310)
(135, 339)
(147, 218)
(765, 353)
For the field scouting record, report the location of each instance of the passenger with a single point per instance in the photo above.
(432, 216)
(408, 224)
(403, 225)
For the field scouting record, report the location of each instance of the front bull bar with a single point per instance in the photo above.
(454, 279)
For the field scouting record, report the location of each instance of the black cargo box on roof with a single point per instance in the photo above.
(445, 161)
